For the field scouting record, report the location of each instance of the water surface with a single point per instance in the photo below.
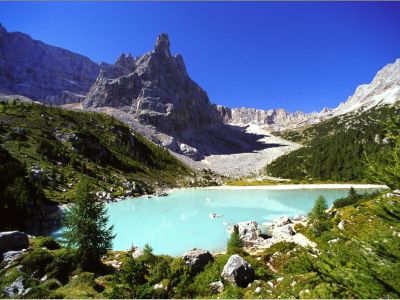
(181, 221)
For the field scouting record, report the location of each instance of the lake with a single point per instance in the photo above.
(181, 221)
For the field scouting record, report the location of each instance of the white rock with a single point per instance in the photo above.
(258, 290)
(341, 225)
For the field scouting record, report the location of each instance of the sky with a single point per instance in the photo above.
(293, 55)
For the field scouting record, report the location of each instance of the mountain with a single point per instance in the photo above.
(155, 90)
(42, 72)
(384, 89)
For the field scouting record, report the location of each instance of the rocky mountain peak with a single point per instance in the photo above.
(125, 61)
(162, 42)
(3, 31)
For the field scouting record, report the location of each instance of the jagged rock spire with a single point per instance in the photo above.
(162, 45)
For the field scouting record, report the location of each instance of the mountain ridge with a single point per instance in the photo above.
(383, 89)
(42, 72)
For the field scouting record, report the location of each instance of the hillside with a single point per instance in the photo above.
(45, 151)
(334, 149)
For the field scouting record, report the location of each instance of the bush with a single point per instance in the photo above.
(37, 260)
(47, 242)
(300, 264)
(212, 272)
(232, 292)
(51, 284)
(159, 271)
(281, 247)
(63, 265)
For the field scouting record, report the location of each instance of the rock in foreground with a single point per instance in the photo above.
(196, 259)
(13, 240)
(238, 271)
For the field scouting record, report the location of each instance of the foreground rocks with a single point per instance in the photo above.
(260, 236)
(13, 240)
(196, 259)
(238, 271)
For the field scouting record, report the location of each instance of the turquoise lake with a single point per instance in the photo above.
(180, 221)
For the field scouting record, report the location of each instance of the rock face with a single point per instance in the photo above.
(13, 240)
(155, 90)
(238, 271)
(384, 89)
(273, 119)
(42, 72)
(196, 259)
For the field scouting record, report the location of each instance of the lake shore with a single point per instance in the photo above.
(298, 186)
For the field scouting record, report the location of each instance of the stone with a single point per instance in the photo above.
(15, 289)
(248, 230)
(196, 259)
(136, 252)
(284, 232)
(10, 256)
(341, 225)
(282, 221)
(257, 290)
(214, 215)
(216, 287)
(238, 271)
(160, 286)
(301, 240)
(13, 240)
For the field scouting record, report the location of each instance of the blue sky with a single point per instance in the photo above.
(295, 55)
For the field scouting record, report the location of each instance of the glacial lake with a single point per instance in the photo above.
(181, 221)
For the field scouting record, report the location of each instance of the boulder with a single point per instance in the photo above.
(13, 240)
(238, 271)
(282, 221)
(284, 232)
(10, 256)
(196, 259)
(248, 230)
(15, 289)
(216, 287)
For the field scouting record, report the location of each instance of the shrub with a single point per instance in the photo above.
(47, 242)
(281, 247)
(63, 265)
(159, 271)
(37, 260)
(51, 284)
(300, 264)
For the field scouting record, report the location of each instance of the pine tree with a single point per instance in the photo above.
(318, 216)
(86, 227)
(235, 244)
(318, 211)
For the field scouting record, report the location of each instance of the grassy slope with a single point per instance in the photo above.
(67, 145)
(361, 261)
(334, 150)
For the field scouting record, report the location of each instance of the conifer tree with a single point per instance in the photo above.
(86, 227)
